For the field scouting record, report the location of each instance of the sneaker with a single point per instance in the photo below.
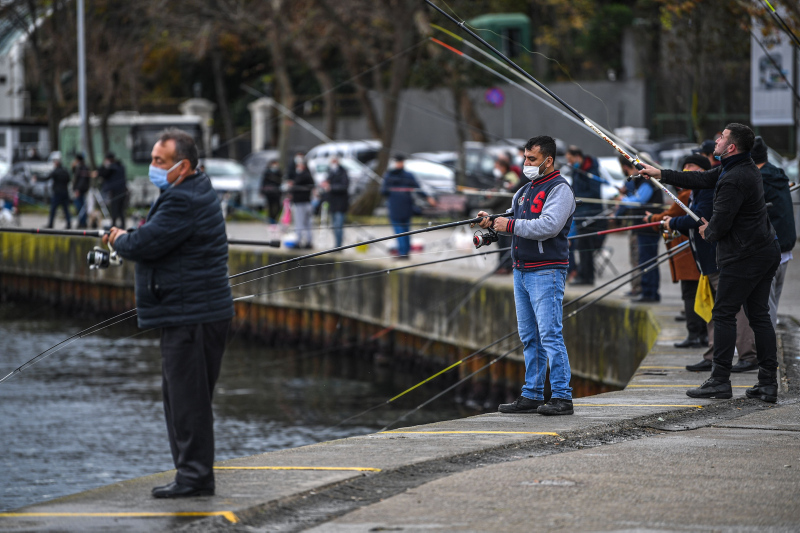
(520, 405)
(766, 393)
(703, 366)
(556, 406)
(744, 366)
(712, 388)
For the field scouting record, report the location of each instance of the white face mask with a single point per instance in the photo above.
(532, 172)
(298, 159)
(497, 173)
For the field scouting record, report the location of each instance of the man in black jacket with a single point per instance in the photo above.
(271, 190)
(81, 181)
(301, 186)
(748, 255)
(181, 255)
(115, 188)
(59, 180)
(336, 187)
(781, 215)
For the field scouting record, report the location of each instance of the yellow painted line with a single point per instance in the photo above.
(335, 468)
(633, 405)
(473, 433)
(691, 385)
(227, 514)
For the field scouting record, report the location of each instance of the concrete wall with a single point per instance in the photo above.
(401, 311)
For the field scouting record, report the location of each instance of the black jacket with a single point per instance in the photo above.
(303, 185)
(740, 225)
(704, 252)
(181, 255)
(271, 183)
(114, 180)
(399, 187)
(781, 214)
(586, 184)
(59, 178)
(81, 179)
(338, 197)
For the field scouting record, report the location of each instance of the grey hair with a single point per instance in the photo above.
(185, 147)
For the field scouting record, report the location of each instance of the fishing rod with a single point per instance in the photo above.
(782, 23)
(776, 65)
(682, 246)
(616, 230)
(472, 191)
(529, 82)
(367, 274)
(635, 162)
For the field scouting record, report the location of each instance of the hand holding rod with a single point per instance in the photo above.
(634, 161)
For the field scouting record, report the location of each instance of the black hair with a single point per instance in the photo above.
(625, 163)
(547, 146)
(574, 150)
(741, 136)
(185, 147)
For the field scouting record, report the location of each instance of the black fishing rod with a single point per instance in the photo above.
(96, 233)
(782, 23)
(634, 161)
(776, 65)
(616, 230)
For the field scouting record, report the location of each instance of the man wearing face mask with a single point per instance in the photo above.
(271, 190)
(541, 216)
(181, 255)
(748, 254)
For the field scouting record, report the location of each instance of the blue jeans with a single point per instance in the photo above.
(80, 207)
(338, 227)
(403, 243)
(59, 199)
(538, 295)
(648, 249)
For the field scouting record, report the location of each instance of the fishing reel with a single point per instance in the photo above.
(99, 259)
(485, 238)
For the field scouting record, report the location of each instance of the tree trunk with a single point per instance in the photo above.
(107, 110)
(284, 89)
(222, 100)
(328, 99)
(473, 120)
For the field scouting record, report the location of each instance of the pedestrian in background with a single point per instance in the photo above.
(636, 194)
(683, 266)
(586, 183)
(781, 215)
(271, 190)
(182, 287)
(748, 254)
(399, 187)
(81, 180)
(59, 195)
(300, 190)
(336, 187)
(540, 223)
(115, 188)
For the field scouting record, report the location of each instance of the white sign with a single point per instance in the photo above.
(771, 99)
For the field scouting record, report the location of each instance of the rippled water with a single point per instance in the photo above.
(91, 414)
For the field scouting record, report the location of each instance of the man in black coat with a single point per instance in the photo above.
(748, 255)
(338, 197)
(81, 181)
(781, 215)
(271, 190)
(181, 255)
(59, 180)
(115, 188)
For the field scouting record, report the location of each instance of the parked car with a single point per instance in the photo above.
(364, 151)
(236, 187)
(32, 178)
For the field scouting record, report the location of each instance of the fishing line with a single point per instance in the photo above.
(782, 23)
(453, 386)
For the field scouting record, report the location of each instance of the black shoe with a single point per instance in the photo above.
(642, 299)
(520, 405)
(578, 282)
(680, 317)
(176, 490)
(767, 393)
(556, 406)
(712, 388)
(744, 366)
(308, 247)
(632, 294)
(690, 342)
(703, 366)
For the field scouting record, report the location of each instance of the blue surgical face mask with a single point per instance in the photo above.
(158, 176)
(718, 157)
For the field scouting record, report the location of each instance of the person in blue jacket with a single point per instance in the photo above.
(182, 287)
(399, 187)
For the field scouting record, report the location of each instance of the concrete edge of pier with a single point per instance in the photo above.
(308, 486)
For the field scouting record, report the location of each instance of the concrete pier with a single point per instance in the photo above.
(643, 458)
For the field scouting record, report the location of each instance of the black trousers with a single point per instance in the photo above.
(695, 325)
(191, 357)
(746, 283)
(586, 248)
(117, 201)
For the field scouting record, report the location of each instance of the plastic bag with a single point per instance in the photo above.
(704, 300)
